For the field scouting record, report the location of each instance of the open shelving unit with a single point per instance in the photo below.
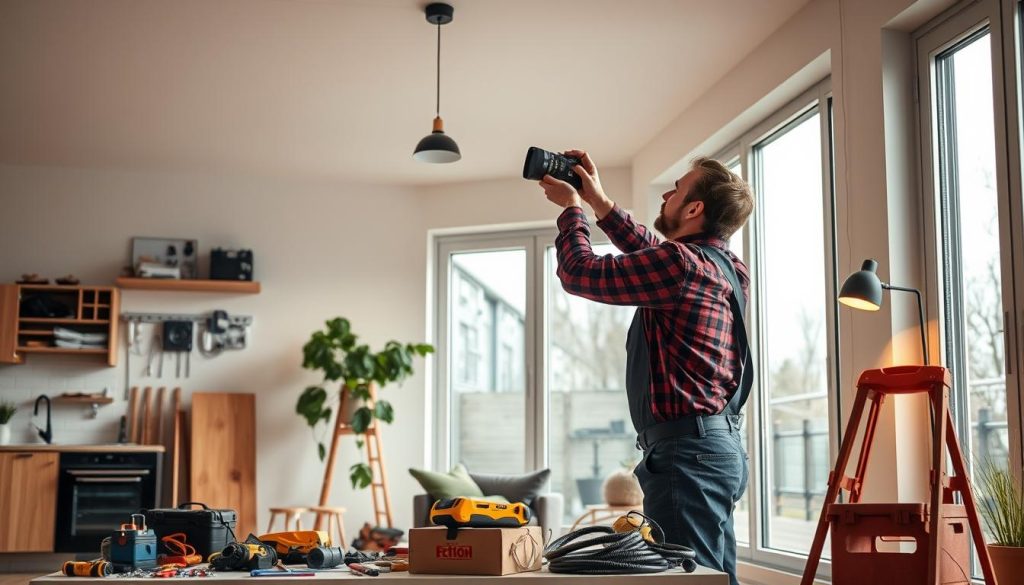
(87, 309)
(190, 285)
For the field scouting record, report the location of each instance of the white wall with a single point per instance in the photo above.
(321, 250)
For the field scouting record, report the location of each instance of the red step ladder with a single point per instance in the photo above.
(937, 528)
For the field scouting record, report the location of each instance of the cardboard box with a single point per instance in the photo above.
(475, 551)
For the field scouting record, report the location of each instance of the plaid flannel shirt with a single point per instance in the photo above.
(683, 299)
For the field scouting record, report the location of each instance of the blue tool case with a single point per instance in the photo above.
(133, 546)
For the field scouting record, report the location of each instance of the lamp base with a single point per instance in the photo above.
(440, 13)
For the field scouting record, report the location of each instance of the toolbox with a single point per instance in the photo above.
(206, 529)
(133, 546)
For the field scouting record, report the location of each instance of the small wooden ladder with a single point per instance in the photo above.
(375, 459)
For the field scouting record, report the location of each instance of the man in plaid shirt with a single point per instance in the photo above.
(685, 375)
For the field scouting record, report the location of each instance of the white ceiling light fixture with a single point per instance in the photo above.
(438, 147)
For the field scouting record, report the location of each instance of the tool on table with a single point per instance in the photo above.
(280, 570)
(182, 553)
(86, 569)
(391, 566)
(133, 546)
(244, 556)
(324, 557)
(456, 513)
(360, 569)
(294, 546)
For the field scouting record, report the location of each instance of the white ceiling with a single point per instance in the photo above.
(343, 89)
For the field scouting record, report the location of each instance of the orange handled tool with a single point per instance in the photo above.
(86, 569)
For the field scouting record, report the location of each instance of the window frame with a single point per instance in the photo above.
(948, 30)
(534, 242)
(817, 97)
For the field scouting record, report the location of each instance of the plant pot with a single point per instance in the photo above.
(5, 434)
(1007, 562)
(589, 489)
(348, 405)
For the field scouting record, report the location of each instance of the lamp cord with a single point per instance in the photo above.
(438, 102)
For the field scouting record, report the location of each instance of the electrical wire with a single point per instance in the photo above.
(610, 553)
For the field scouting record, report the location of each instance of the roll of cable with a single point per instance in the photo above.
(599, 550)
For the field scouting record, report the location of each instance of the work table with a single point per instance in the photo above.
(108, 448)
(701, 576)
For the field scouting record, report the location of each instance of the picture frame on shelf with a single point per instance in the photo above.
(165, 258)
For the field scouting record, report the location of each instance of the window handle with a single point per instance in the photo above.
(1007, 341)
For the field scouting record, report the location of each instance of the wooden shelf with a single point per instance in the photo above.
(192, 285)
(84, 399)
(64, 321)
(36, 332)
(63, 350)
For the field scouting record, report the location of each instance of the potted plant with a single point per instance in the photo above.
(335, 352)
(7, 410)
(1001, 503)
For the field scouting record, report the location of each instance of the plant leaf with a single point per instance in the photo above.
(310, 404)
(361, 419)
(321, 450)
(383, 411)
(360, 475)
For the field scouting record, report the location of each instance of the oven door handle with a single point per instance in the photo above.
(109, 479)
(95, 472)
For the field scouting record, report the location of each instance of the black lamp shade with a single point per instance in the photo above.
(863, 289)
(437, 147)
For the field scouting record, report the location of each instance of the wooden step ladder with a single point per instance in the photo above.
(375, 459)
(873, 387)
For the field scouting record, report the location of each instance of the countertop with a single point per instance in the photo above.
(701, 576)
(108, 448)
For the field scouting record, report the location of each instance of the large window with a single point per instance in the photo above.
(975, 223)
(790, 247)
(793, 305)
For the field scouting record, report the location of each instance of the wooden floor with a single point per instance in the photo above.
(16, 578)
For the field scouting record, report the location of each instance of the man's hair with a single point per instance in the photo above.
(728, 200)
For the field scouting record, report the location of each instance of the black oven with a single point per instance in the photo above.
(97, 492)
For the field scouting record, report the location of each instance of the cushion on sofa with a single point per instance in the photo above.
(517, 488)
(455, 483)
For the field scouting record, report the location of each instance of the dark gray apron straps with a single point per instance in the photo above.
(739, 328)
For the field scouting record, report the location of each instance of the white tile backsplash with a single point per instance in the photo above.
(72, 423)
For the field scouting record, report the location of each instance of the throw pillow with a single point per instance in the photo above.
(517, 488)
(455, 483)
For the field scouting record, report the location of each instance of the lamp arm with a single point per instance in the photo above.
(920, 315)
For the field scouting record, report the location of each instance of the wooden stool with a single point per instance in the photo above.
(599, 513)
(334, 516)
(291, 513)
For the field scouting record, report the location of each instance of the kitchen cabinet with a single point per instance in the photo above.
(28, 501)
(9, 324)
(81, 309)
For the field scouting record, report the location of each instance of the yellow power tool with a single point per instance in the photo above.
(293, 546)
(458, 513)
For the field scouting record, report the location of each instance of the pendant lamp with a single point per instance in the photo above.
(438, 147)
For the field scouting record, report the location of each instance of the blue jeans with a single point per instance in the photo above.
(691, 485)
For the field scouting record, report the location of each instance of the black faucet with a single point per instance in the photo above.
(47, 435)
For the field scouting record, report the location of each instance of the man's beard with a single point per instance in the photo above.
(665, 224)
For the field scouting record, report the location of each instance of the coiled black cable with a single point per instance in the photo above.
(611, 553)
